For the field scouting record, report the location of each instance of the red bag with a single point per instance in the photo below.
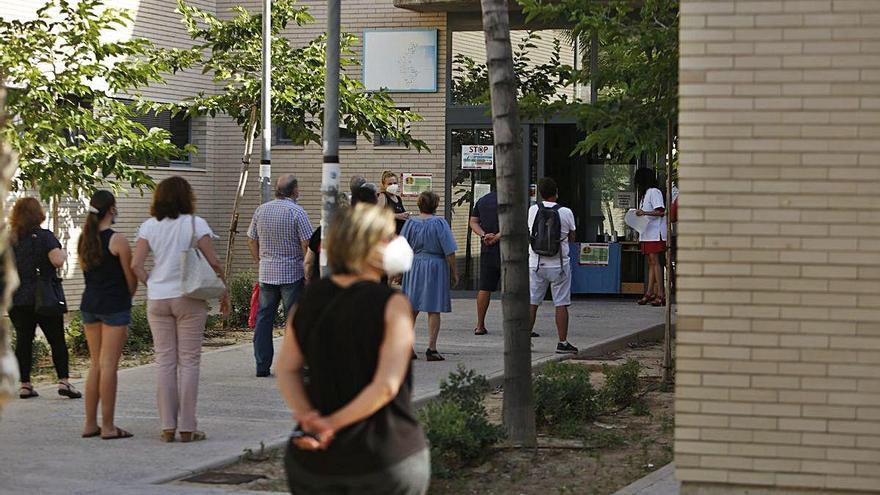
(255, 306)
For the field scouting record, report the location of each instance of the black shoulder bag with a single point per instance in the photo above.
(49, 297)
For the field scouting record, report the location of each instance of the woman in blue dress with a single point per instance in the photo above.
(433, 271)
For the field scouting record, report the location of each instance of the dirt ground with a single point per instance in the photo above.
(614, 451)
(44, 372)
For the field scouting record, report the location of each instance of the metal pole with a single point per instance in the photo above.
(330, 169)
(266, 106)
(667, 334)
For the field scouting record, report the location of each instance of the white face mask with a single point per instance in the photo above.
(393, 189)
(398, 257)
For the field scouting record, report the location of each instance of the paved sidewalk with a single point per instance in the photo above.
(41, 450)
(660, 482)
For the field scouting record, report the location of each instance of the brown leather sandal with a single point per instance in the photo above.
(192, 436)
(167, 436)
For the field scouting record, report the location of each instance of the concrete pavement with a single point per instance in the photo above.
(41, 450)
(660, 482)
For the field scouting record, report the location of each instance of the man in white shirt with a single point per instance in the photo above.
(552, 271)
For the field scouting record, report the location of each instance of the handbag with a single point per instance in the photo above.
(49, 299)
(197, 279)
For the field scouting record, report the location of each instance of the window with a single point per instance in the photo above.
(347, 137)
(180, 127)
(282, 138)
(382, 140)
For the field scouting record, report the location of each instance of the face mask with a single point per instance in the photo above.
(393, 189)
(398, 257)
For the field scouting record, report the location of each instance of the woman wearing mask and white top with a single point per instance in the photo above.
(653, 238)
(176, 322)
(389, 196)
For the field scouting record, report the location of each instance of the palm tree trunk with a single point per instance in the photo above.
(519, 410)
(242, 184)
(8, 275)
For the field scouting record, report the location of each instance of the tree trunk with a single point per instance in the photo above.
(242, 185)
(519, 408)
(8, 276)
(667, 335)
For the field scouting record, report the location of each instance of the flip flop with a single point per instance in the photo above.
(28, 392)
(120, 433)
(93, 434)
(480, 331)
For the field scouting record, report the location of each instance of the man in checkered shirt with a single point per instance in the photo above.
(278, 238)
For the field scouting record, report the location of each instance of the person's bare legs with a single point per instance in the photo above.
(93, 379)
(561, 322)
(533, 315)
(483, 298)
(112, 341)
(433, 330)
(649, 288)
(657, 272)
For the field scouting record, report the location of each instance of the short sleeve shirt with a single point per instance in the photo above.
(32, 252)
(281, 226)
(167, 239)
(486, 210)
(656, 228)
(566, 220)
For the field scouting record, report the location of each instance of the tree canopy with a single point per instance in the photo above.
(230, 50)
(72, 131)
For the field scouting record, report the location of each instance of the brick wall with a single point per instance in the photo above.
(778, 381)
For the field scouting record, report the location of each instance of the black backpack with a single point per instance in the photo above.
(546, 236)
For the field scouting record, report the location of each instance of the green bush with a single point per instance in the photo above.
(75, 335)
(621, 384)
(564, 395)
(241, 287)
(456, 424)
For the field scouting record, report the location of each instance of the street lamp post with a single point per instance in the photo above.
(266, 106)
(330, 170)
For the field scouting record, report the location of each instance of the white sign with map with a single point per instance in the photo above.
(400, 60)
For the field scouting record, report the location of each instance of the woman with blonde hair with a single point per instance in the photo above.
(105, 259)
(357, 431)
(389, 197)
(38, 256)
(177, 322)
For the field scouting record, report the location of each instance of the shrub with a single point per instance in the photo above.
(456, 424)
(564, 394)
(241, 287)
(75, 335)
(621, 383)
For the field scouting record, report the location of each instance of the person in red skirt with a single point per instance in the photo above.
(653, 239)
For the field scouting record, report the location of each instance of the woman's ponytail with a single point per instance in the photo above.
(89, 249)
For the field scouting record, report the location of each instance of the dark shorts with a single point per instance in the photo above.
(118, 319)
(490, 272)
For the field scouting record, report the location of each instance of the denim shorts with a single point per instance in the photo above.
(119, 319)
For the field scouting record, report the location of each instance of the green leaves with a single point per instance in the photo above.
(230, 50)
(71, 133)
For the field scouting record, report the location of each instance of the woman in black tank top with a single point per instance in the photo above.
(105, 259)
(357, 429)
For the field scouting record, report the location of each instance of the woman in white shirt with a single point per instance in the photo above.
(653, 239)
(176, 322)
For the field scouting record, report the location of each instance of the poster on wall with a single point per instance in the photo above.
(624, 200)
(480, 190)
(413, 184)
(400, 60)
(593, 254)
(477, 157)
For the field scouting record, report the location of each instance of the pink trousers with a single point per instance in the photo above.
(178, 326)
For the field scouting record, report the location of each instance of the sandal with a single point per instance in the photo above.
(480, 331)
(93, 434)
(433, 355)
(658, 301)
(120, 433)
(646, 299)
(167, 436)
(28, 392)
(69, 392)
(192, 436)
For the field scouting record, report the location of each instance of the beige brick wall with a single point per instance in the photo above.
(778, 380)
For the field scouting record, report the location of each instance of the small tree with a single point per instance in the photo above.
(72, 132)
(231, 51)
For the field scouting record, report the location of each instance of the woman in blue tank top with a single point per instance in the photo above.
(105, 259)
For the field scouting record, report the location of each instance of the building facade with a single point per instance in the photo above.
(778, 371)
